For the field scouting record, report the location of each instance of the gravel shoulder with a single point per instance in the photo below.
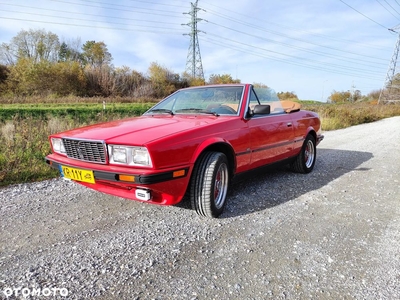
(331, 234)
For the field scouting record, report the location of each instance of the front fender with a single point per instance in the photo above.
(216, 144)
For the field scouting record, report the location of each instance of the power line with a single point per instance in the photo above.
(294, 63)
(247, 24)
(124, 8)
(343, 64)
(88, 20)
(157, 3)
(284, 57)
(305, 49)
(78, 13)
(364, 15)
(388, 9)
(291, 37)
(292, 29)
(93, 26)
(391, 6)
(221, 38)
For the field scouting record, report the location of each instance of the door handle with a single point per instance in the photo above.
(289, 124)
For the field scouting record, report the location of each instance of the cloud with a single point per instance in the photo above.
(309, 47)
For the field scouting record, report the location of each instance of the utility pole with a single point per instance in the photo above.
(390, 92)
(194, 67)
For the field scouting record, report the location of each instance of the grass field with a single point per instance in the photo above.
(337, 116)
(24, 129)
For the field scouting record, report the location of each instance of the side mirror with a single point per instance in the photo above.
(262, 109)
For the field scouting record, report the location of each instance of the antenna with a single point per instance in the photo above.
(390, 92)
(194, 67)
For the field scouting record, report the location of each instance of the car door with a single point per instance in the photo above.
(271, 135)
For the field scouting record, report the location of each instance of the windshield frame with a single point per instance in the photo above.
(217, 100)
(263, 96)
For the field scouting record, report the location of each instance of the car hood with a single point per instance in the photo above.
(141, 130)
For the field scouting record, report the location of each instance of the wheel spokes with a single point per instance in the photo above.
(220, 185)
(309, 154)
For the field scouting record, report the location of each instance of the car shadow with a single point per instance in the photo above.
(265, 189)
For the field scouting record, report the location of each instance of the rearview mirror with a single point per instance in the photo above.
(262, 109)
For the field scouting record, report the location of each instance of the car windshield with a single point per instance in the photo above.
(221, 100)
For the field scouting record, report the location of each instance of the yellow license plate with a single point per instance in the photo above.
(77, 174)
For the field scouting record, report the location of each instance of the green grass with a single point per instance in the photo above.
(24, 129)
(78, 111)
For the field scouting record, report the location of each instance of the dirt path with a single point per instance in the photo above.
(332, 234)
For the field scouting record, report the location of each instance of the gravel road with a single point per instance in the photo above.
(331, 234)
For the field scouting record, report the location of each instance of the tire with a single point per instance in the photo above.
(209, 184)
(305, 161)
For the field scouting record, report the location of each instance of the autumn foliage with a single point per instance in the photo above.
(37, 63)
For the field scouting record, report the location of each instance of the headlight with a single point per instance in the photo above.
(119, 155)
(141, 156)
(132, 156)
(58, 145)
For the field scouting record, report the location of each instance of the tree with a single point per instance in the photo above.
(96, 54)
(222, 79)
(260, 85)
(128, 82)
(347, 96)
(6, 54)
(4, 71)
(27, 78)
(188, 80)
(392, 88)
(70, 51)
(356, 95)
(63, 54)
(287, 96)
(68, 79)
(164, 81)
(37, 45)
(374, 95)
(338, 97)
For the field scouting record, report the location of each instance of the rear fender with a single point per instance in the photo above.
(311, 130)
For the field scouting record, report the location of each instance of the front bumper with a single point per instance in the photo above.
(166, 187)
(138, 178)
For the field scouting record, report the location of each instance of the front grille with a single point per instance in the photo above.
(91, 151)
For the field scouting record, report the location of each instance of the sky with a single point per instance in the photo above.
(309, 47)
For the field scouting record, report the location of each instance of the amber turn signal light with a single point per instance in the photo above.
(179, 173)
(129, 178)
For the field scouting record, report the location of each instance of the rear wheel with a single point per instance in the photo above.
(209, 184)
(305, 161)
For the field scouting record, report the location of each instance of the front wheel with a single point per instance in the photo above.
(305, 161)
(209, 184)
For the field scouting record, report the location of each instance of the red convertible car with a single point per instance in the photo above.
(192, 143)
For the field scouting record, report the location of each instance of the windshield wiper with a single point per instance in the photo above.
(161, 110)
(199, 110)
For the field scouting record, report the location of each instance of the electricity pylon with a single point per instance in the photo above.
(390, 92)
(194, 67)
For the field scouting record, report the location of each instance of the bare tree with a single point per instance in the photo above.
(37, 45)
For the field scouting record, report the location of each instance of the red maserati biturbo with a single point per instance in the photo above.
(193, 142)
